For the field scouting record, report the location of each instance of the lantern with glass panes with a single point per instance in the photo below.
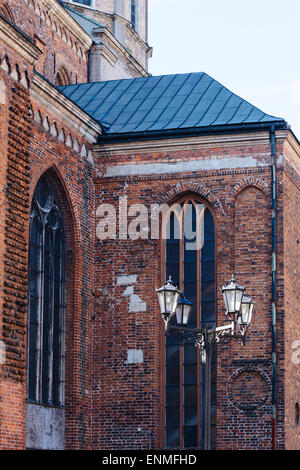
(168, 297)
(183, 310)
(239, 310)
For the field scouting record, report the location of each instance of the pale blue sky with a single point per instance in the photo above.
(252, 47)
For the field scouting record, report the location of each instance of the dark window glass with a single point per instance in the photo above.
(192, 267)
(190, 436)
(172, 377)
(133, 14)
(172, 437)
(190, 416)
(172, 416)
(84, 2)
(46, 298)
(172, 353)
(208, 312)
(173, 396)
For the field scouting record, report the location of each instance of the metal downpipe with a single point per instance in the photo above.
(274, 288)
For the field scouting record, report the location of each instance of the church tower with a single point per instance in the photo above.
(120, 32)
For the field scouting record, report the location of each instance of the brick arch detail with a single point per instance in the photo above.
(52, 19)
(259, 374)
(15, 70)
(189, 187)
(252, 260)
(251, 181)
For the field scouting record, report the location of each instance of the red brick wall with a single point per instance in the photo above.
(31, 151)
(75, 184)
(47, 32)
(15, 131)
(291, 202)
(109, 403)
(3, 163)
(247, 418)
(127, 397)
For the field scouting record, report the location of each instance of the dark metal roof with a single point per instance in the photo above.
(164, 103)
(86, 23)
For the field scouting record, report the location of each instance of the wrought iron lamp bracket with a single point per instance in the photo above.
(205, 337)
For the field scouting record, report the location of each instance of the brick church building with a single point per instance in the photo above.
(85, 132)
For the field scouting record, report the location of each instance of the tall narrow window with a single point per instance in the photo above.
(190, 260)
(46, 323)
(134, 14)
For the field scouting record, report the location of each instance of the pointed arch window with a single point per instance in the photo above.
(190, 259)
(46, 314)
(62, 77)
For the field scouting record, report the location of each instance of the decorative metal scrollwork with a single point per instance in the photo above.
(205, 337)
(208, 337)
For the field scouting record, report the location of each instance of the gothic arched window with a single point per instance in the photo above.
(62, 77)
(46, 313)
(190, 260)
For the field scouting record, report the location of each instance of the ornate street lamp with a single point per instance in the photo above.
(233, 295)
(168, 297)
(183, 310)
(239, 309)
(245, 316)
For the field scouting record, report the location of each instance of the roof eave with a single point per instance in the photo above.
(189, 132)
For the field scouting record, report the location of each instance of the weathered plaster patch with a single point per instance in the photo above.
(2, 353)
(45, 427)
(183, 167)
(128, 291)
(136, 304)
(135, 356)
(2, 92)
(126, 280)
